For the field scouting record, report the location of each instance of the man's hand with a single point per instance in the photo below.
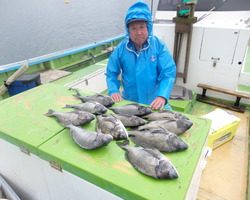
(158, 103)
(116, 97)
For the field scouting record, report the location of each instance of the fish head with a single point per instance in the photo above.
(184, 124)
(184, 117)
(165, 170)
(144, 110)
(178, 143)
(100, 108)
(109, 102)
(121, 133)
(139, 121)
(90, 117)
(107, 139)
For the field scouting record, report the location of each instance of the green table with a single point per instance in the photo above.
(22, 122)
(22, 119)
(108, 168)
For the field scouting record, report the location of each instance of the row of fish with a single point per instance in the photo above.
(155, 134)
(159, 134)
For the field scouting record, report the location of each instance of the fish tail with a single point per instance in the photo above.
(49, 113)
(75, 90)
(131, 133)
(77, 95)
(68, 106)
(111, 109)
(68, 126)
(123, 144)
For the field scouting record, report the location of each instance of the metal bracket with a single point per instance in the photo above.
(24, 150)
(55, 165)
(215, 60)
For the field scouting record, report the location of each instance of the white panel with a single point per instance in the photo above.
(219, 44)
(23, 172)
(94, 82)
(195, 182)
(166, 33)
(66, 186)
(34, 179)
(225, 40)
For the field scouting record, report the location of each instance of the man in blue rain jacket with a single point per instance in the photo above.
(141, 63)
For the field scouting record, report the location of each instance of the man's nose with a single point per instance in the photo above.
(139, 31)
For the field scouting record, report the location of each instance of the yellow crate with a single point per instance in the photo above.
(223, 128)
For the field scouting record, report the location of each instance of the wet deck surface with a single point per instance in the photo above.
(226, 173)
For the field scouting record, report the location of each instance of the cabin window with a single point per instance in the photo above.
(205, 5)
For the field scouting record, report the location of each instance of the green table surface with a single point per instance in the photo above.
(22, 119)
(107, 167)
(23, 123)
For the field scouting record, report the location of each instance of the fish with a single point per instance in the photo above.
(89, 140)
(130, 121)
(178, 126)
(164, 114)
(90, 106)
(110, 125)
(159, 138)
(131, 109)
(100, 98)
(150, 162)
(75, 117)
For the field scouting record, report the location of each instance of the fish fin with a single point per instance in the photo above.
(68, 125)
(165, 111)
(100, 95)
(134, 128)
(154, 152)
(158, 130)
(141, 128)
(49, 113)
(136, 104)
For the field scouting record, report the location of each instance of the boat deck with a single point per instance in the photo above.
(226, 173)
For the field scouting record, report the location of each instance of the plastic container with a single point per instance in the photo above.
(223, 128)
(23, 83)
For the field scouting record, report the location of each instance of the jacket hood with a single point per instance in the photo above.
(139, 11)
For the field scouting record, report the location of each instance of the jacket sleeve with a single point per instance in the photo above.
(112, 72)
(167, 72)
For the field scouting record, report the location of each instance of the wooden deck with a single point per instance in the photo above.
(225, 176)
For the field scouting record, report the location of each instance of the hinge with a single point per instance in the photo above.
(55, 165)
(24, 150)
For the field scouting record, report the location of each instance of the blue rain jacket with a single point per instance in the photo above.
(143, 75)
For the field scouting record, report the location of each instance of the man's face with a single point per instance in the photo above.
(138, 32)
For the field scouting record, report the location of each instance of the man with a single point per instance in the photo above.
(146, 67)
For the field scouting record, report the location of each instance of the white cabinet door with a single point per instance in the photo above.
(218, 45)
